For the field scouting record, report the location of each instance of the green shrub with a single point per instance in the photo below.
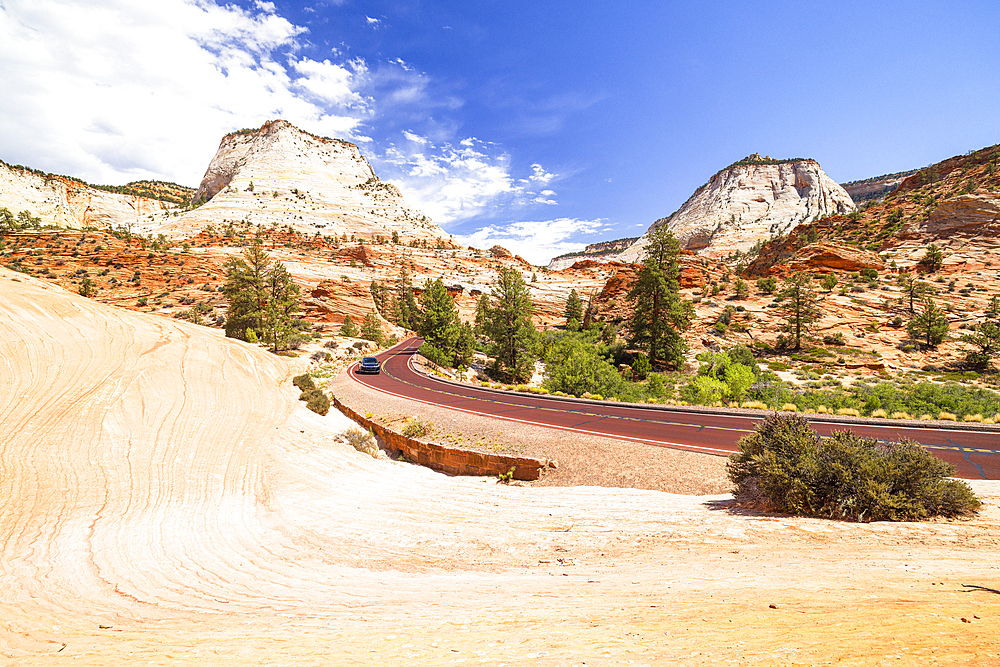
(316, 401)
(416, 428)
(767, 285)
(304, 382)
(785, 466)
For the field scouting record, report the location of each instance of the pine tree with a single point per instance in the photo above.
(282, 301)
(407, 312)
(574, 308)
(349, 328)
(371, 328)
(933, 258)
(986, 337)
(798, 303)
(509, 329)
(438, 316)
(659, 313)
(465, 345)
(929, 326)
(246, 291)
(912, 288)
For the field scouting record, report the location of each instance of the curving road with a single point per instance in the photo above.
(975, 454)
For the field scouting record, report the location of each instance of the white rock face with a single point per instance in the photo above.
(749, 202)
(280, 175)
(66, 203)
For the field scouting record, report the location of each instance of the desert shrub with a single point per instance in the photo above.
(947, 416)
(416, 428)
(363, 441)
(790, 407)
(767, 285)
(879, 414)
(304, 382)
(785, 466)
(900, 415)
(316, 401)
(848, 412)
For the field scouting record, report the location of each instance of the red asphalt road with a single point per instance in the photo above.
(975, 454)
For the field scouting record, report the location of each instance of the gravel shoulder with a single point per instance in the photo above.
(582, 460)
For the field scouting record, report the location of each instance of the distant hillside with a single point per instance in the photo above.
(594, 251)
(161, 190)
(748, 202)
(959, 196)
(877, 187)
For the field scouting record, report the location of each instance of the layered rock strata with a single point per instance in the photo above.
(749, 202)
(64, 202)
(281, 176)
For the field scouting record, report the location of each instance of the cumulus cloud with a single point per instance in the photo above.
(536, 241)
(455, 182)
(121, 90)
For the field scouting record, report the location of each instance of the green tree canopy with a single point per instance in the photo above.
(438, 317)
(574, 307)
(930, 326)
(371, 328)
(798, 304)
(349, 328)
(508, 328)
(261, 296)
(659, 314)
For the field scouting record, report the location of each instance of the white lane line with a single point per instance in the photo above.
(695, 448)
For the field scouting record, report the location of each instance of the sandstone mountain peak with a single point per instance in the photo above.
(748, 202)
(281, 175)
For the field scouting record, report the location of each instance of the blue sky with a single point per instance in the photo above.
(538, 125)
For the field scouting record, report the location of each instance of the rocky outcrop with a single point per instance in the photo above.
(65, 202)
(749, 202)
(605, 251)
(971, 214)
(282, 176)
(825, 257)
(876, 188)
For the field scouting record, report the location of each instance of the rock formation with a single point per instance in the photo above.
(605, 251)
(280, 175)
(65, 202)
(749, 202)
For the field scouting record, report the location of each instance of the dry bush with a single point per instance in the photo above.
(790, 407)
(900, 415)
(848, 412)
(947, 416)
(363, 441)
(785, 466)
(879, 414)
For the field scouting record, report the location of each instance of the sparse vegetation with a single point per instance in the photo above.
(785, 466)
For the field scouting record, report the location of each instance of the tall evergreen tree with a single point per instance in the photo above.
(798, 304)
(574, 308)
(930, 326)
(659, 314)
(986, 337)
(246, 291)
(282, 301)
(407, 312)
(371, 328)
(511, 334)
(438, 316)
(912, 288)
(349, 328)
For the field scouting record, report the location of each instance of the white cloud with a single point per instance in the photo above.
(372, 21)
(120, 90)
(536, 241)
(456, 182)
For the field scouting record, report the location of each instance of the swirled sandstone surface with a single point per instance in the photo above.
(165, 499)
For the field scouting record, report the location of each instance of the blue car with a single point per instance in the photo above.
(369, 365)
